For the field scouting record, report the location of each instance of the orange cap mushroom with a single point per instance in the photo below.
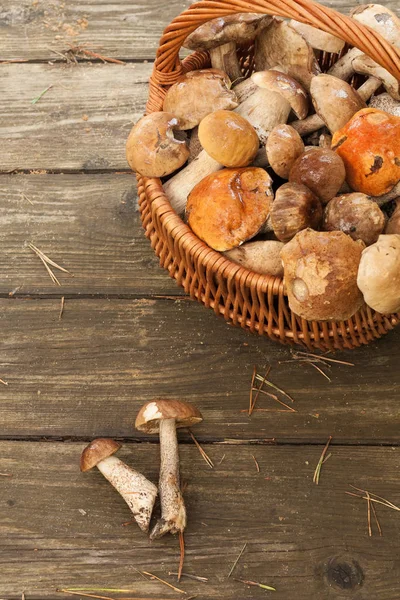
(369, 145)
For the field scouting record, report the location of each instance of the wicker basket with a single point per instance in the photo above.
(255, 302)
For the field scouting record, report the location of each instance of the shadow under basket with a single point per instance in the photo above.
(244, 298)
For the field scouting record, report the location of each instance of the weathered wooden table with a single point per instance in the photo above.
(128, 334)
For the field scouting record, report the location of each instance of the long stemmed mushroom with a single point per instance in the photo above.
(164, 417)
(137, 491)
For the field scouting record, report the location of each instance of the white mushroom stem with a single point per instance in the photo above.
(173, 512)
(368, 89)
(180, 185)
(137, 491)
(343, 68)
(224, 57)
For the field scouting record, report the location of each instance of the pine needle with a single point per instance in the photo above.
(369, 514)
(237, 560)
(182, 554)
(254, 583)
(321, 461)
(164, 582)
(256, 463)
(3, 382)
(376, 518)
(373, 498)
(5, 474)
(318, 369)
(100, 589)
(36, 100)
(61, 308)
(202, 451)
(275, 387)
(252, 389)
(46, 262)
(190, 576)
(324, 358)
(85, 595)
(25, 197)
(263, 381)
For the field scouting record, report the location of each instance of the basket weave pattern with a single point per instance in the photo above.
(255, 302)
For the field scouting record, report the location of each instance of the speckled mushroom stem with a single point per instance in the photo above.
(173, 511)
(137, 491)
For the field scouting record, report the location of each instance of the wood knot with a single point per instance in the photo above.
(345, 574)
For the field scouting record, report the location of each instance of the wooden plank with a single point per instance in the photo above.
(61, 528)
(31, 30)
(81, 123)
(89, 373)
(87, 223)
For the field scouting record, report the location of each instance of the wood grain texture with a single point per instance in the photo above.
(88, 224)
(61, 528)
(81, 123)
(89, 373)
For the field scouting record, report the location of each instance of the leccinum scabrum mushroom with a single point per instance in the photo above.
(165, 417)
(379, 274)
(137, 491)
(356, 215)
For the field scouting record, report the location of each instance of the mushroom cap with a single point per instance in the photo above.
(366, 66)
(380, 19)
(379, 274)
(355, 214)
(198, 93)
(151, 413)
(335, 101)
(280, 45)
(96, 451)
(284, 146)
(261, 257)
(228, 138)
(286, 86)
(320, 272)
(151, 148)
(239, 28)
(318, 39)
(295, 208)
(320, 170)
(393, 225)
(229, 207)
(369, 145)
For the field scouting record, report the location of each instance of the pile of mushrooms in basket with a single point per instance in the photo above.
(292, 171)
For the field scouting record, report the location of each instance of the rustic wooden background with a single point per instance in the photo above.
(128, 334)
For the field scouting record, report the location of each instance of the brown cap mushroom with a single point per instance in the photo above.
(152, 150)
(284, 146)
(366, 66)
(261, 257)
(230, 207)
(198, 93)
(320, 171)
(164, 417)
(380, 19)
(393, 225)
(295, 208)
(320, 272)
(356, 215)
(221, 36)
(369, 145)
(280, 45)
(287, 87)
(137, 491)
(335, 101)
(379, 274)
(228, 138)
(320, 40)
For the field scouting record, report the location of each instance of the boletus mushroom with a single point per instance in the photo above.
(165, 417)
(295, 208)
(355, 214)
(318, 39)
(230, 207)
(369, 146)
(152, 150)
(320, 272)
(364, 65)
(261, 257)
(379, 274)
(198, 93)
(283, 148)
(321, 170)
(380, 19)
(137, 491)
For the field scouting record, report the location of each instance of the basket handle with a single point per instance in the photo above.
(168, 68)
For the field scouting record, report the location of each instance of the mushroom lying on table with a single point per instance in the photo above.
(165, 417)
(321, 170)
(356, 215)
(137, 491)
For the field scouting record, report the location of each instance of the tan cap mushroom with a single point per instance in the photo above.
(287, 87)
(356, 215)
(379, 274)
(221, 36)
(295, 208)
(261, 257)
(284, 146)
(320, 272)
(335, 101)
(137, 491)
(393, 225)
(228, 138)
(151, 148)
(381, 19)
(198, 93)
(366, 66)
(320, 40)
(386, 103)
(230, 207)
(164, 417)
(320, 171)
(280, 45)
